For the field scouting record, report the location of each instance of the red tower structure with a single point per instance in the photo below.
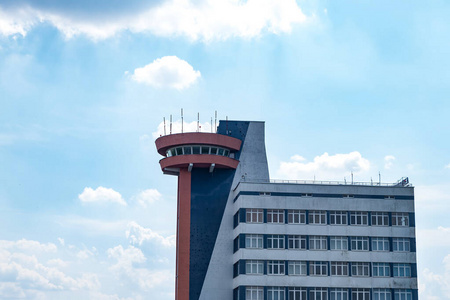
(182, 153)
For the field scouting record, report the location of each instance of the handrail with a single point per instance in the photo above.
(403, 182)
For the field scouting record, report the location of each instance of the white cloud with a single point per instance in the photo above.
(206, 20)
(101, 195)
(27, 246)
(176, 128)
(388, 161)
(167, 72)
(447, 166)
(324, 167)
(129, 267)
(22, 273)
(138, 234)
(148, 197)
(441, 280)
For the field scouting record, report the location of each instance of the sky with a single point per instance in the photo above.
(344, 87)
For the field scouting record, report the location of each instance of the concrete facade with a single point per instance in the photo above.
(251, 238)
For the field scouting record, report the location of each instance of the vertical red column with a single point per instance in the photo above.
(183, 235)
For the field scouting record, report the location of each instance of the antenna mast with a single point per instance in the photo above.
(181, 120)
(170, 124)
(164, 119)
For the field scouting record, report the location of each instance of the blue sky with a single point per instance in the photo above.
(85, 212)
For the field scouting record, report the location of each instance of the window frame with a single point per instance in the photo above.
(400, 219)
(317, 217)
(301, 266)
(275, 216)
(276, 267)
(338, 240)
(294, 240)
(383, 267)
(252, 265)
(318, 268)
(359, 218)
(296, 213)
(277, 240)
(251, 238)
(338, 217)
(254, 215)
(360, 269)
(380, 241)
(401, 270)
(404, 242)
(259, 293)
(379, 218)
(341, 266)
(320, 240)
(359, 243)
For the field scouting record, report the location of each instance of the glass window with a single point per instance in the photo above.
(226, 153)
(360, 243)
(297, 242)
(220, 151)
(380, 244)
(400, 219)
(254, 293)
(179, 151)
(317, 242)
(296, 216)
(196, 150)
(275, 267)
(359, 218)
(402, 270)
(339, 268)
(297, 293)
(318, 268)
(338, 217)
(187, 150)
(380, 219)
(205, 150)
(402, 295)
(360, 269)
(297, 268)
(213, 150)
(338, 294)
(360, 294)
(254, 241)
(275, 216)
(275, 293)
(318, 294)
(254, 215)
(381, 294)
(317, 217)
(400, 244)
(338, 243)
(381, 270)
(254, 267)
(275, 241)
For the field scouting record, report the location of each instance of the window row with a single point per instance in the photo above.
(319, 242)
(197, 149)
(313, 293)
(323, 217)
(324, 268)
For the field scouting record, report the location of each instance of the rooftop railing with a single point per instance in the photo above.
(403, 182)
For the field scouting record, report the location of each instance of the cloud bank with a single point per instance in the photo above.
(196, 20)
(324, 167)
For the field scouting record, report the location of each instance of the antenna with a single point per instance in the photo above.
(227, 125)
(170, 124)
(379, 177)
(164, 119)
(352, 177)
(181, 120)
(198, 122)
(215, 122)
(211, 126)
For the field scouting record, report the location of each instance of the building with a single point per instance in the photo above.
(242, 236)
